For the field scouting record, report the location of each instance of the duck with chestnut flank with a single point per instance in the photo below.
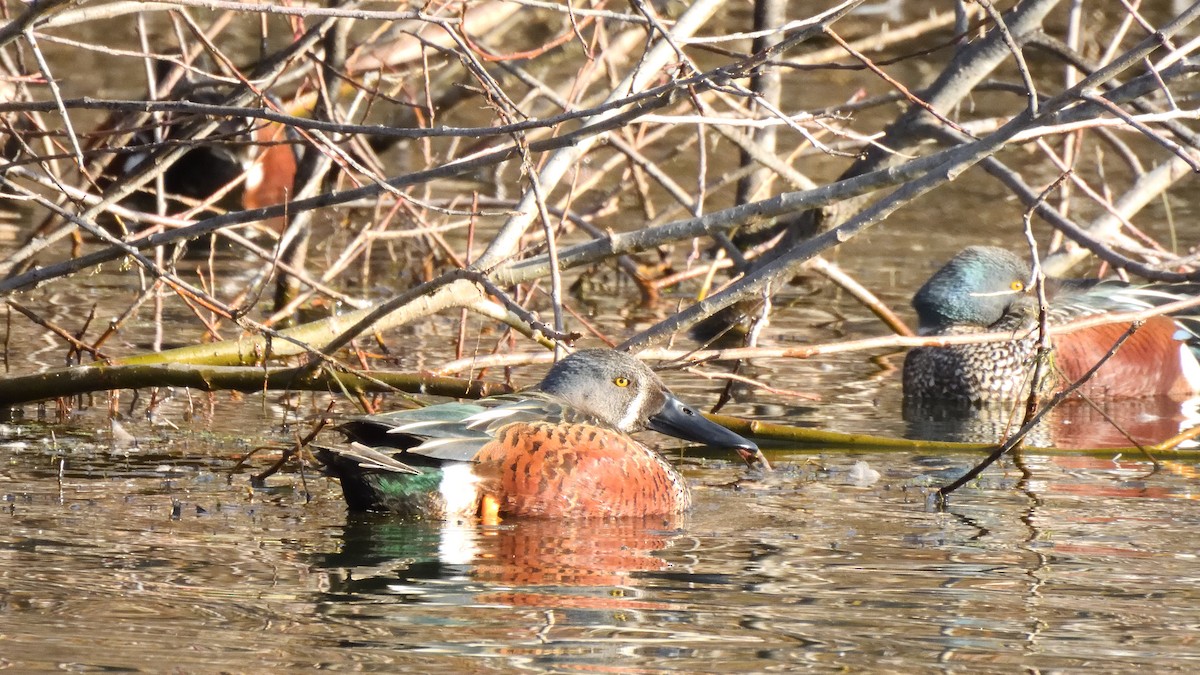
(559, 450)
(984, 289)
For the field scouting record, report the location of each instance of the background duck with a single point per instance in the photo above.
(985, 289)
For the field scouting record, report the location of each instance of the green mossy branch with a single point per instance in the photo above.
(781, 438)
(87, 379)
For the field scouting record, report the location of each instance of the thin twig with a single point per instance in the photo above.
(1019, 437)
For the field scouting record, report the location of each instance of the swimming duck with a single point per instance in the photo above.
(559, 450)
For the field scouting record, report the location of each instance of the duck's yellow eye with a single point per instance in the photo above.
(1017, 285)
(621, 381)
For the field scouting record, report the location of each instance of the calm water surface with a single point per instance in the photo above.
(156, 559)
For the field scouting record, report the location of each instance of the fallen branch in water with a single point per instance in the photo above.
(87, 379)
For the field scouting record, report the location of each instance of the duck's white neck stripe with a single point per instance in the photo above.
(635, 410)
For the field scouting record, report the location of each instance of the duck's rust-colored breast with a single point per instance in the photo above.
(577, 470)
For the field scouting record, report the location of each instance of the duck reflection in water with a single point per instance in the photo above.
(553, 564)
(1073, 424)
